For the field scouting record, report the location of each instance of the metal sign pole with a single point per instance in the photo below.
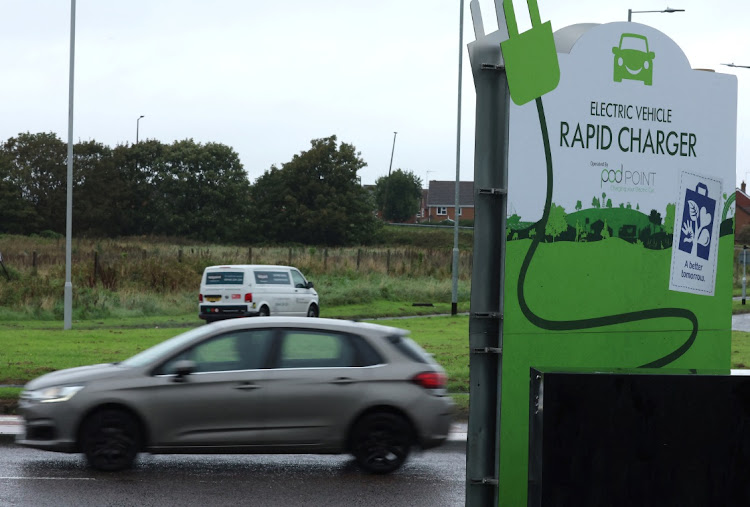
(487, 279)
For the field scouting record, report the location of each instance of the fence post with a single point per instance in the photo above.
(290, 257)
(388, 263)
(325, 259)
(250, 255)
(33, 259)
(96, 265)
(179, 255)
(359, 257)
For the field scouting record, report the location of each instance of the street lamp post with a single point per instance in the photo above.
(137, 127)
(668, 10)
(388, 182)
(457, 208)
(68, 289)
(744, 272)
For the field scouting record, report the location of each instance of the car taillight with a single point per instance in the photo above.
(200, 298)
(249, 297)
(430, 379)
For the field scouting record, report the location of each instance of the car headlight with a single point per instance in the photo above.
(52, 394)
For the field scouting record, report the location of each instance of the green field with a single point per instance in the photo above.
(34, 348)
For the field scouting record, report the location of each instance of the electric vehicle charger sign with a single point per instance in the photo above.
(620, 225)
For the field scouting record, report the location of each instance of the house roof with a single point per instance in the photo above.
(443, 193)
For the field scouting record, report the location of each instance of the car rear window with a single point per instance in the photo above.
(272, 278)
(225, 278)
(410, 349)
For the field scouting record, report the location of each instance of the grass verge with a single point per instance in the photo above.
(34, 348)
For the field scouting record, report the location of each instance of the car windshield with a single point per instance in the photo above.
(635, 43)
(152, 354)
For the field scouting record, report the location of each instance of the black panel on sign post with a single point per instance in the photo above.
(639, 438)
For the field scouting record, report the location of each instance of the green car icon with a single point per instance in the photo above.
(633, 60)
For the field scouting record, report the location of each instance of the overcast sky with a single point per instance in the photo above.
(266, 77)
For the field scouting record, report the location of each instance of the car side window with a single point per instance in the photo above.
(316, 349)
(240, 350)
(298, 279)
(366, 355)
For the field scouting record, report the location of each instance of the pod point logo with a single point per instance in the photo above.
(633, 60)
(627, 178)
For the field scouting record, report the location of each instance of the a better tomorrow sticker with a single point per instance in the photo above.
(696, 235)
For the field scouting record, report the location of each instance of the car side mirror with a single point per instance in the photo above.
(182, 369)
(309, 285)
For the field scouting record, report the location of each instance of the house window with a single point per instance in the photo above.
(442, 210)
(460, 211)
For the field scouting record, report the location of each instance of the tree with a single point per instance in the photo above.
(37, 166)
(556, 223)
(655, 218)
(669, 218)
(595, 203)
(579, 206)
(398, 196)
(316, 198)
(98, 191)
(203, 192)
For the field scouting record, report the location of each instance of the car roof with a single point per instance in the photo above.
(308, 323)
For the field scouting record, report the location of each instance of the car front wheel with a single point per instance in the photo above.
(312, 311)
(381, 442)
(110, 439)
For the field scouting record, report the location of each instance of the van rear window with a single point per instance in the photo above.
(272, 278)
(225, 278)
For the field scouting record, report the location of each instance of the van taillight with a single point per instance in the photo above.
(249, 297)
(200, 298)
(430, 379)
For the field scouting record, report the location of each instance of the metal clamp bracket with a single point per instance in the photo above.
(488, 315)
(492, 191)
(492, 66)
(487, 350)
(489, 481)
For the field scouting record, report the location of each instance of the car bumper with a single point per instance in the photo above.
(42, 429)
(215, 312)
(438, 429)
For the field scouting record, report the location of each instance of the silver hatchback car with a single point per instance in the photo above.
(249, 385)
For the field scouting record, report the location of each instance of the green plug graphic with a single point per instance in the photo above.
(530, 57)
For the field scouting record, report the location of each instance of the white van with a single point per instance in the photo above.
(244, 290)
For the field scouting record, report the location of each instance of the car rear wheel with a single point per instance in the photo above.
(110, 439)
(381, 442)
(312, 311)
(264, 312)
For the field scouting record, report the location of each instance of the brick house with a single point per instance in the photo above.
(741, 208)
(441, 201)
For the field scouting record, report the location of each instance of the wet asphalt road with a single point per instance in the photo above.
(36, 478)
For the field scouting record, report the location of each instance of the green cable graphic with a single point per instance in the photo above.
(609, 320)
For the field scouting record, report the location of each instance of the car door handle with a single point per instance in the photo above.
(343, 381)
(247, 387)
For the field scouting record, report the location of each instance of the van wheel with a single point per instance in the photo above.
(313, 311)
(264, 312)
